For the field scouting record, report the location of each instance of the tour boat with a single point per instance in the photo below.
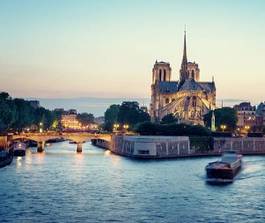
(6, 157)
(225, 170)
(19, 149)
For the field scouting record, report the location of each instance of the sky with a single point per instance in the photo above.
(107, 48)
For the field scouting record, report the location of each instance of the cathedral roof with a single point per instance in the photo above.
(190, 85)
(208, 86)
(168, 87)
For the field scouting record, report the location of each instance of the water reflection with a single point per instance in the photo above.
(61, 185)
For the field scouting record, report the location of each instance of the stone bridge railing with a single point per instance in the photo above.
(78, 137)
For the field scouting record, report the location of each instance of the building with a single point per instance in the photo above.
(248, 117)
(245, 114)
(188, 98)
(69, 122)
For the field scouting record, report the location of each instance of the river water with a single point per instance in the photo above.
(96, 186)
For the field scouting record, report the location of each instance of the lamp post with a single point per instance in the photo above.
(247, 128)
(41, 127)
(223, 127)
(115, 127)
(126, 127)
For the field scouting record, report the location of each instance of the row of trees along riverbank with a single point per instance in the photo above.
(139, 120)
(18, 114)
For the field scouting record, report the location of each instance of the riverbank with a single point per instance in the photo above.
(165, 147)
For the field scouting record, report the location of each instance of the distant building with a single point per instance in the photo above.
(248, 117)
(72, 111)
(246, 114)
(70, 122)
(188, 98)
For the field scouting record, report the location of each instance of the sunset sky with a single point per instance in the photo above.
(81, 48)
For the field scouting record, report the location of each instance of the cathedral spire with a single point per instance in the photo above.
(184, 59)
(184, 64)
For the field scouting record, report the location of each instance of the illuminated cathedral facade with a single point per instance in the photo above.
(188, 98)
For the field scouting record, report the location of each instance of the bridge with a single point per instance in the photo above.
(78, 137)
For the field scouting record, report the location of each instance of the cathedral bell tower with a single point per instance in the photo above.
(161, 72)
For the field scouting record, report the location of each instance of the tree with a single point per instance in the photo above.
(130, 113)
(149, 128)
(223, 116)
(111, 116)
(169, 118)
(19, 113)
(85, 118)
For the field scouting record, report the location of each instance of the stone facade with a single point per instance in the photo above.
(188, 99)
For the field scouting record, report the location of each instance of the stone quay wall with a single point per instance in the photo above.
(150, 146)
(179, 146)
(102, 143)
(248, 145)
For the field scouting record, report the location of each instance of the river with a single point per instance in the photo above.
(60, 185)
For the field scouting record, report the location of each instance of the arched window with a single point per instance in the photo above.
(165, 73)
(167, 100)
(160, 74)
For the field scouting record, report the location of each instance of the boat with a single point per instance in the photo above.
(224, 171)
(20, 149)
(6, 157)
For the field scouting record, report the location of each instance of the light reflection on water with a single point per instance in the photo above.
(61, 185)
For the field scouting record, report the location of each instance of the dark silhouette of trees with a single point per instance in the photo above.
(128, 113)
(85, 118)
(17, 114)
(170, 118)
(223, 116)
(149, 128)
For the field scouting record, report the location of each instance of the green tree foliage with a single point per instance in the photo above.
(111, 116)
(148, 128)
(85, 118)
(169, 118)
(8, 112)
(18, 113)
(128, 112)
(223, 116)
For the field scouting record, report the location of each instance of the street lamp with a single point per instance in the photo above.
(125, 126)
(41, 127)
(115, 127)
(223, 127)
(247, 127)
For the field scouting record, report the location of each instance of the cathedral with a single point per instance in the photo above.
(188, 98)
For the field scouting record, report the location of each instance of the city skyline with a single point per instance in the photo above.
(107, 49)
